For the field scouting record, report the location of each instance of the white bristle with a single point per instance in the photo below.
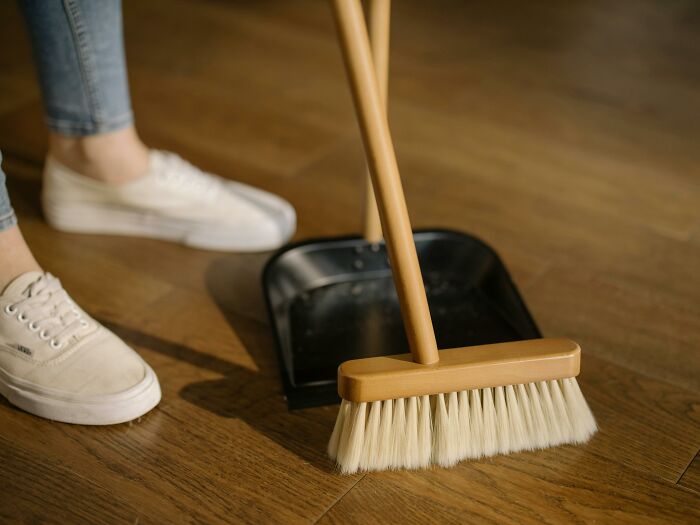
(464, 426)
(441, 437)
(411, 444)
(580, 415)
(539, 431)
(345, 432)
(451, 451)
(527, 419)
(349, 456)
(476, 424)
(453, 420)
(490, 427)
(398, 434)
(446, 428)
(370, 448)
(562, 415)
(502, 423)
(338, 429)
(425, 432)
(518, 433)
(552, 424)
(383, 459)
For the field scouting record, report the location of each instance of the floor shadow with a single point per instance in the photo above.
(4, 402)
(254, 397)
(25, 195)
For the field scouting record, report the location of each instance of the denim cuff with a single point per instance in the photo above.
(8, 220)
(75, 128)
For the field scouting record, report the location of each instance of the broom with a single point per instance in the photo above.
(429, 407)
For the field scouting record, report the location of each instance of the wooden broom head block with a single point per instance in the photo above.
(519, 362)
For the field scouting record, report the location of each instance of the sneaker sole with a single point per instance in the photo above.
(99, 410)
(78, 218)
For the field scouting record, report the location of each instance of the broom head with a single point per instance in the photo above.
(475, 402)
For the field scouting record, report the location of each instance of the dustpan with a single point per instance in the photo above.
(333, 299)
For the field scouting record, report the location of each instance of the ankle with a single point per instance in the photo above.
(116, 157)
(15, 257)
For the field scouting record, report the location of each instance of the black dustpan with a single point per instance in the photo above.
(331, 300)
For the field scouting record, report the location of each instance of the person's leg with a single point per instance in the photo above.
(115, 157)
(79, 52)
(15, 256)
(56, 361)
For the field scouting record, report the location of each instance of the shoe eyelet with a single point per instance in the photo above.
(10, 309)
(33, 326)
(44, 335)
(55, 344)
(83, 322)
(22, 318)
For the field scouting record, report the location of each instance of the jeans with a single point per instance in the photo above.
(7, 214)
(78, 51)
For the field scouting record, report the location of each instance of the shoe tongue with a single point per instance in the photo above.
(20, 284)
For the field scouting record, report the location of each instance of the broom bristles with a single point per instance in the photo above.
(444, 429)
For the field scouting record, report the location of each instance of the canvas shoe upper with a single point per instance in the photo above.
(174, 201)
(59, 363)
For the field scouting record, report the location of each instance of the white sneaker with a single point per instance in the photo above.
(58, 363)
(175, 201)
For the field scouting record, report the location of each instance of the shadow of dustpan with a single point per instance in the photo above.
(332, 300)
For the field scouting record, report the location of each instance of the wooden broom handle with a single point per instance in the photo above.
(386, 181)
(379, 20)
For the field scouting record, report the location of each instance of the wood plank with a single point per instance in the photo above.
(524, 174)
(631, 435)
(568, 486)
(53, 483)
(691, 477)
(642, 325)
(224, 63)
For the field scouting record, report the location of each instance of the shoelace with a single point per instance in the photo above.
(174, 170)
(49, 311)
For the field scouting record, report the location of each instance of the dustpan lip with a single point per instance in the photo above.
(281, 252)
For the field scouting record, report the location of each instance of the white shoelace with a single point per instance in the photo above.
(174, 170)
(49, 311)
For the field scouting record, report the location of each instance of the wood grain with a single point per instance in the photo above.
(527, 488)
(17, 82)
(564, 136)
(691, 476)
(53, 485)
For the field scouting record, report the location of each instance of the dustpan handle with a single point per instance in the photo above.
(381, 158)
(379, 19)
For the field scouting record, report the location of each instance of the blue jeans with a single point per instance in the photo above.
(78, 52)
(7, 214)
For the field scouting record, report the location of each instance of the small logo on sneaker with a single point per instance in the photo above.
(21, 348)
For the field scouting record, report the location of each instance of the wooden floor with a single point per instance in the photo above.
(567, 135)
